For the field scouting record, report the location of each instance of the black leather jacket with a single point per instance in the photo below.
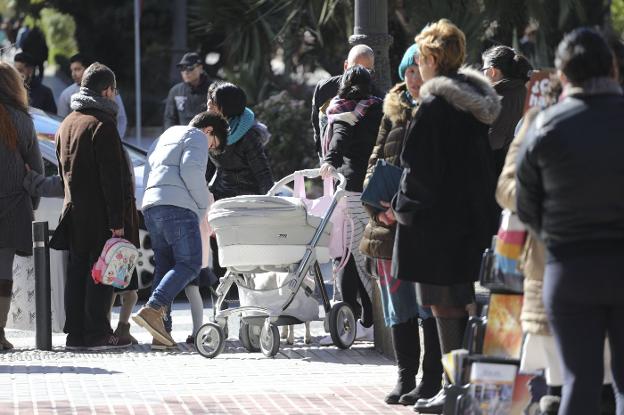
(570, 182)
(241, 169)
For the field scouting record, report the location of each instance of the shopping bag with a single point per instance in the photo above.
(383, 184)
(338, 246)
(503, 272)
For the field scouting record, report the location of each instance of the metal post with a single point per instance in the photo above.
(371, 28)
(137, 69)
(43, 310)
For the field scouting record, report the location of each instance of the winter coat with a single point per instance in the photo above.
(513, 94)
(325, 90)
(533, 257)
(378, 238)
(174, 172)
(570, 172)
(16, 207)
(351, 146)
(99, 190)
(184, 102)
(241, 168)
(446, 194)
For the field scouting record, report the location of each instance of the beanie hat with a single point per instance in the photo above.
(409, 59)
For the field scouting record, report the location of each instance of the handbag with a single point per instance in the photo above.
(383, 184)
(116, 263)
(500, 264)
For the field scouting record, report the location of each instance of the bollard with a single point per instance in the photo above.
(43, 310)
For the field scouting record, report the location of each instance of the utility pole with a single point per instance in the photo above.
(371, 28)
(179, 40)
(137, 70)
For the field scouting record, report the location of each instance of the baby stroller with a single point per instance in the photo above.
(271, 247)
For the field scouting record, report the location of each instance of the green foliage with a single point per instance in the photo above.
(617, 16)
(290, 147)
(59, 31)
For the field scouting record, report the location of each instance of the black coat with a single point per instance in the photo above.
(40, 96)
(184, 102)
(446, 191)
(570, 186)
(99, 191)
(241, 169)
(351, 146)
(513, 94)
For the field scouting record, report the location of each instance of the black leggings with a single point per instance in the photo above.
(350, 286)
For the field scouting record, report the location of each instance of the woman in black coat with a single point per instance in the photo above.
(445, 195)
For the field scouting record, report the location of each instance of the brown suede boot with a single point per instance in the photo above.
(151, 319)
(123, 331)
(5, 303)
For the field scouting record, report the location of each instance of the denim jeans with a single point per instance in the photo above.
(174, 232)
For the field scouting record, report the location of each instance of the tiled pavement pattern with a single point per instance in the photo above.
(301, 379)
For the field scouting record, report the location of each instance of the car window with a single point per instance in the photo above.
(136, 157)
(49, 168)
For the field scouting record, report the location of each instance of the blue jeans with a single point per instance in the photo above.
(174, 232)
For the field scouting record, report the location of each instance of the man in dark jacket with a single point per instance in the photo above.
(39, 95)
(328, 88)
(99, 203)
(569, 192)
(188, 98)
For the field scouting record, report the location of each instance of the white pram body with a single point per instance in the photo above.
(272, 247)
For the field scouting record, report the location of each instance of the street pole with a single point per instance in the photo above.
(137, 69)
(43, 308)
(179, 40)
(371, 28)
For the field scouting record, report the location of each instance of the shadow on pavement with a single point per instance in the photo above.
(44, 369)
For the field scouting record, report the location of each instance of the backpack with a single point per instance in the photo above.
(116, 263)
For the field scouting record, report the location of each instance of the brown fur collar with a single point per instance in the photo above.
(396, 107)
(473, 94)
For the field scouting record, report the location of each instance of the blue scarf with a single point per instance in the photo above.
(239, 125)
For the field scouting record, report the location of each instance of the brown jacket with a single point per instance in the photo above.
(378, 238)
(99, 190)
(533, 257)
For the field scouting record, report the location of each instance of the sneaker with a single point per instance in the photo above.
(151, 320)
(74, 343)
(123, 330)
(190, 340)
(109, 342)
(326, 341)
(156, 345)
(364, 333)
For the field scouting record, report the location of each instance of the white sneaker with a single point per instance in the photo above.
(326, 341)
(364, 333)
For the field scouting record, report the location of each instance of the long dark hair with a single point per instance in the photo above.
(512, 64)
(356, 83)
(12, 94)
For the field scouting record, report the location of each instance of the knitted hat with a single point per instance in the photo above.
(409, 59)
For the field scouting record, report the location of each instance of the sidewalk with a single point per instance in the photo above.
(301, 379)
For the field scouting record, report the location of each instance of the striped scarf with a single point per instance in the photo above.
(345, 110)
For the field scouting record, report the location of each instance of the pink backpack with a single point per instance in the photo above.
(116, 263)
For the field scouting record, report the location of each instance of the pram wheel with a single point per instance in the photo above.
(269, 340)
(210, 340)
(249, 336)
(342, 326)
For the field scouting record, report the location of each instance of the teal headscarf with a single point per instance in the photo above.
(409, 59)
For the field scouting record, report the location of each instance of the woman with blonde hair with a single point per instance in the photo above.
(445, 197)
(18, 147)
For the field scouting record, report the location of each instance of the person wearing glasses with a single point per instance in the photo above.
(188, 98)
(77, 65)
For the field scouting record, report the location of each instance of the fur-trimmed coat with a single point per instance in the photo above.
(378, 238)
(446, 195)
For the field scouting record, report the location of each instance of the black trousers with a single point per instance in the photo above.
(351, 286)
(86, 303)
(584, 299)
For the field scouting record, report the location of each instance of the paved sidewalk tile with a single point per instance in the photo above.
(301, 379)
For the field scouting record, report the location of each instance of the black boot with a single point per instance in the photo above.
(451, 334)
(431, 365)
(406, 343)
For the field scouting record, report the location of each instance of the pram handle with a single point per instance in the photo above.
(311, 174)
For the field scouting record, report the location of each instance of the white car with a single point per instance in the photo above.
(49, 209)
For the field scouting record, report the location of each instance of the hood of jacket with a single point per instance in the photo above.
(395, 106)
(468, 91)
